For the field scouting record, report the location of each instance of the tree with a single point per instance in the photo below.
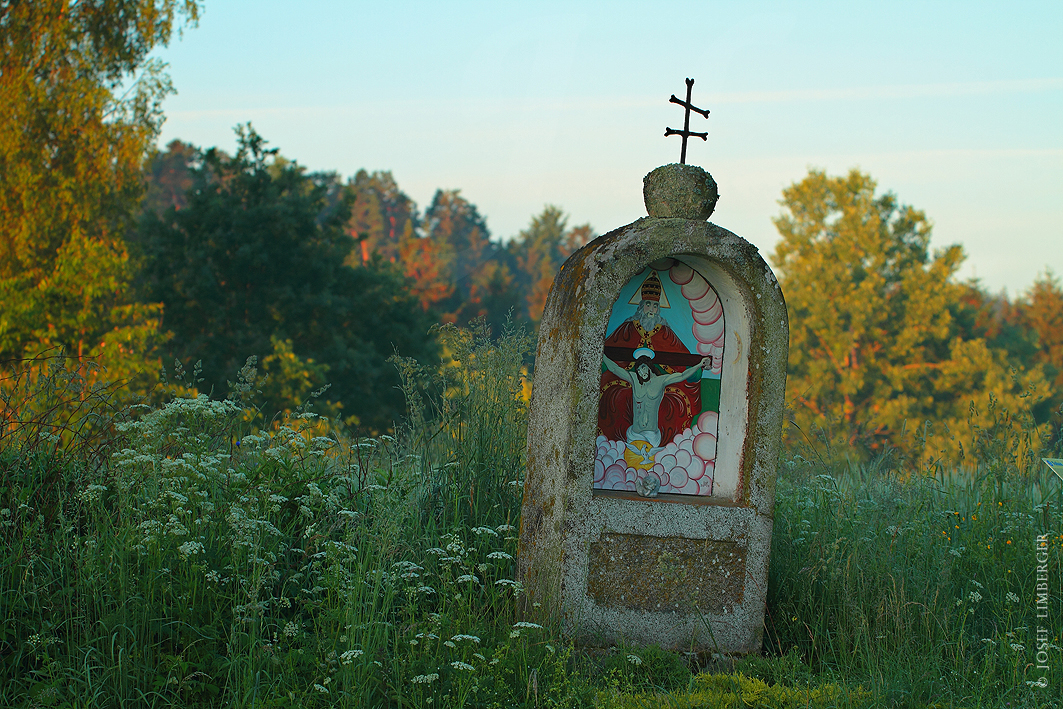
(70, 154)
(381, 215)
(168, 176)
(874, 346)
(385, 224)
(539, 252)
(483, 286)
(1041, 312)
(254, 265)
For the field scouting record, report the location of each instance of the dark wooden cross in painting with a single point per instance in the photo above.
(686, 132)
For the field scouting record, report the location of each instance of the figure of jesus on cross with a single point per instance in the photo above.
(647, 392)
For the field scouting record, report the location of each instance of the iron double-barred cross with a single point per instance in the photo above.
(686, 132)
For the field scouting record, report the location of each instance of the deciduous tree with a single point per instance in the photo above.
(70, 155)
(1041, 312)
(874, 347)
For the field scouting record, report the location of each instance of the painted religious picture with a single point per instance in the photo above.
(658, 411)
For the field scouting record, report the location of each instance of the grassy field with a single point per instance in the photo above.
(188, 554)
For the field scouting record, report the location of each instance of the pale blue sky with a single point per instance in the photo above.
(955, 107)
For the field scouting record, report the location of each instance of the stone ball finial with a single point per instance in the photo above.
(676, 190)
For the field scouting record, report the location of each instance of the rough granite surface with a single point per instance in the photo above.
(684, 191)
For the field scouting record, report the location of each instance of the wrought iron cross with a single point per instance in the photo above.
(686, 132)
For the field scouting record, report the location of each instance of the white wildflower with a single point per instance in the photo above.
(323, 690)
(471, 638)
(448, 643)
(349, 656)
(508, 582)
(1017, 647)
(462, 666)
(634, 659)
(38, 641)
(291, 629)
(1011, 597)
(484, 530)
(425, 679)
(190, 549)
(505, 528)
(467, 577)
(428, 590)
(92, 493)
(974, 596)
(499, 555)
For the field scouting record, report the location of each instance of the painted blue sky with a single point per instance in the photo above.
(957, 107)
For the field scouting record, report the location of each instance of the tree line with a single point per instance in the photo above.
(323, 278)
(133, 257)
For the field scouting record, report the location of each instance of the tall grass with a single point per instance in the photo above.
(922, 582)
(189, 554)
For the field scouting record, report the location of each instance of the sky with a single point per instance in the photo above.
(955, 107)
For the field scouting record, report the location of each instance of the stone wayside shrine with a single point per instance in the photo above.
(655, 430)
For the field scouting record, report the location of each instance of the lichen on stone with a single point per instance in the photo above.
(684, 191)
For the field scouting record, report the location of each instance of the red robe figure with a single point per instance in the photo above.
(648, 328)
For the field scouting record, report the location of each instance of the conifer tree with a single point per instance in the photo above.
(539, 252)
(476, 265)
(385, 224)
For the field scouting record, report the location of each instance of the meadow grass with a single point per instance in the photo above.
(190, 553)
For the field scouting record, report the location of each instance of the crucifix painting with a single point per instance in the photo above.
(659, 397)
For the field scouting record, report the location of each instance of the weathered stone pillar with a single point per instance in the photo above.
(655, 431)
